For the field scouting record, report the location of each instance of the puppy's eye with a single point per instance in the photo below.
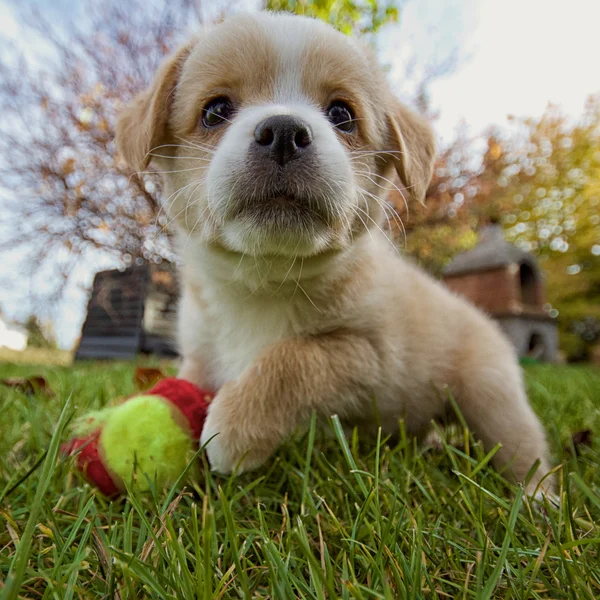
(216, 112)
(340, 115)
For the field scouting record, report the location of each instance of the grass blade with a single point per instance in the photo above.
(19, 563)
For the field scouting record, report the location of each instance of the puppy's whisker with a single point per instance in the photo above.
(261, 275)
(220, 117)
(187, 146)
(285, 277)
(203, 145)
(173, 170)
(348, 121)
(297, 280)
(208, 148)
(185, 209)
(369, 175)
(364, 224)
(332, 208)
(307, 296)
(299, 287)
(197, 220)
(361, 163)
(377, 152)
(379, 228)
(382, 152)
(198, 158)
(152, 151)
(385, 209)
(237, 268)
(165, 205)
(395, 187)
(380, 203)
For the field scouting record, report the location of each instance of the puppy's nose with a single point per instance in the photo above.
(283, 137)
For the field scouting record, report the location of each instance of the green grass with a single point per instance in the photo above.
(37, 356)
(325, 518)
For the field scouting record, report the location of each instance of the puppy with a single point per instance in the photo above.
(276, 136)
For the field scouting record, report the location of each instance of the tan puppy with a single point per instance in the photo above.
(277, 136)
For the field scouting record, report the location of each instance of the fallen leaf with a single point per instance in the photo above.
(146, 377)
(581, 440)
(29, 385)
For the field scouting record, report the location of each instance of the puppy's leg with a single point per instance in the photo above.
(493, 401)
(249, 417)
(193, 369)
(194, 341)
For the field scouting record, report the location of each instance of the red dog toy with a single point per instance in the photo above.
(149, 438)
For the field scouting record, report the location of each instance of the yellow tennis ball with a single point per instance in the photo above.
(142, 440)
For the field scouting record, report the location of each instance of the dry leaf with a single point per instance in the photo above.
(146, 377)
(581, 440)
(29, 385)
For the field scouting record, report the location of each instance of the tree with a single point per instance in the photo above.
(349, 17)
(544, 183)
(38, 335)
(433, 232)
(67, 192)
(541, 179)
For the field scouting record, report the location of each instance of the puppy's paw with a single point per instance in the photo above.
(541, 496)
(542, 493)
(232, 442)
(433, 440)
(214, 440)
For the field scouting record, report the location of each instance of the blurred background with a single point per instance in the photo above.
(512, 89)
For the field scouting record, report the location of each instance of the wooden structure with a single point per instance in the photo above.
(506, 282)
(130, 312)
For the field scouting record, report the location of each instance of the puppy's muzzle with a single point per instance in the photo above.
(282, 138)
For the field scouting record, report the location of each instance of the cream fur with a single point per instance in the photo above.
(330, 317)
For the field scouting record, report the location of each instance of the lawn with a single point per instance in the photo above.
(326, 518)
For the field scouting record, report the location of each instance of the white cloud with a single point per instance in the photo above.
(8, 24)
(12, 337)
(526, 53)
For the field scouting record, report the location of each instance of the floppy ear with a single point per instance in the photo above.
(412, 144)
(143, 124)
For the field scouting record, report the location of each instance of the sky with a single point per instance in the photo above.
(514, 57)
(524, 54)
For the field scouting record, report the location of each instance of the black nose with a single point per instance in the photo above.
(283, 137)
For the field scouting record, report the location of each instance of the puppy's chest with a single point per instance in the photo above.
(241, 331)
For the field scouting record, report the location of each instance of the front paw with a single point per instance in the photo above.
(232, 443)
(217, 441)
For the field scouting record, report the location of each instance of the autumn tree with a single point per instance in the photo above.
(348, 16)
(445, 223)
(540, 178)
(66, 193)
(543, 181)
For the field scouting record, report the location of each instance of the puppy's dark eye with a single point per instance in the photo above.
(216, 112)
(340, 115)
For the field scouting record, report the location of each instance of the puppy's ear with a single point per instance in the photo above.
(412, 146)
(143, 124)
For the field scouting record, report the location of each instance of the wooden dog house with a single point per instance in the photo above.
(130, 312)
(506, 282)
